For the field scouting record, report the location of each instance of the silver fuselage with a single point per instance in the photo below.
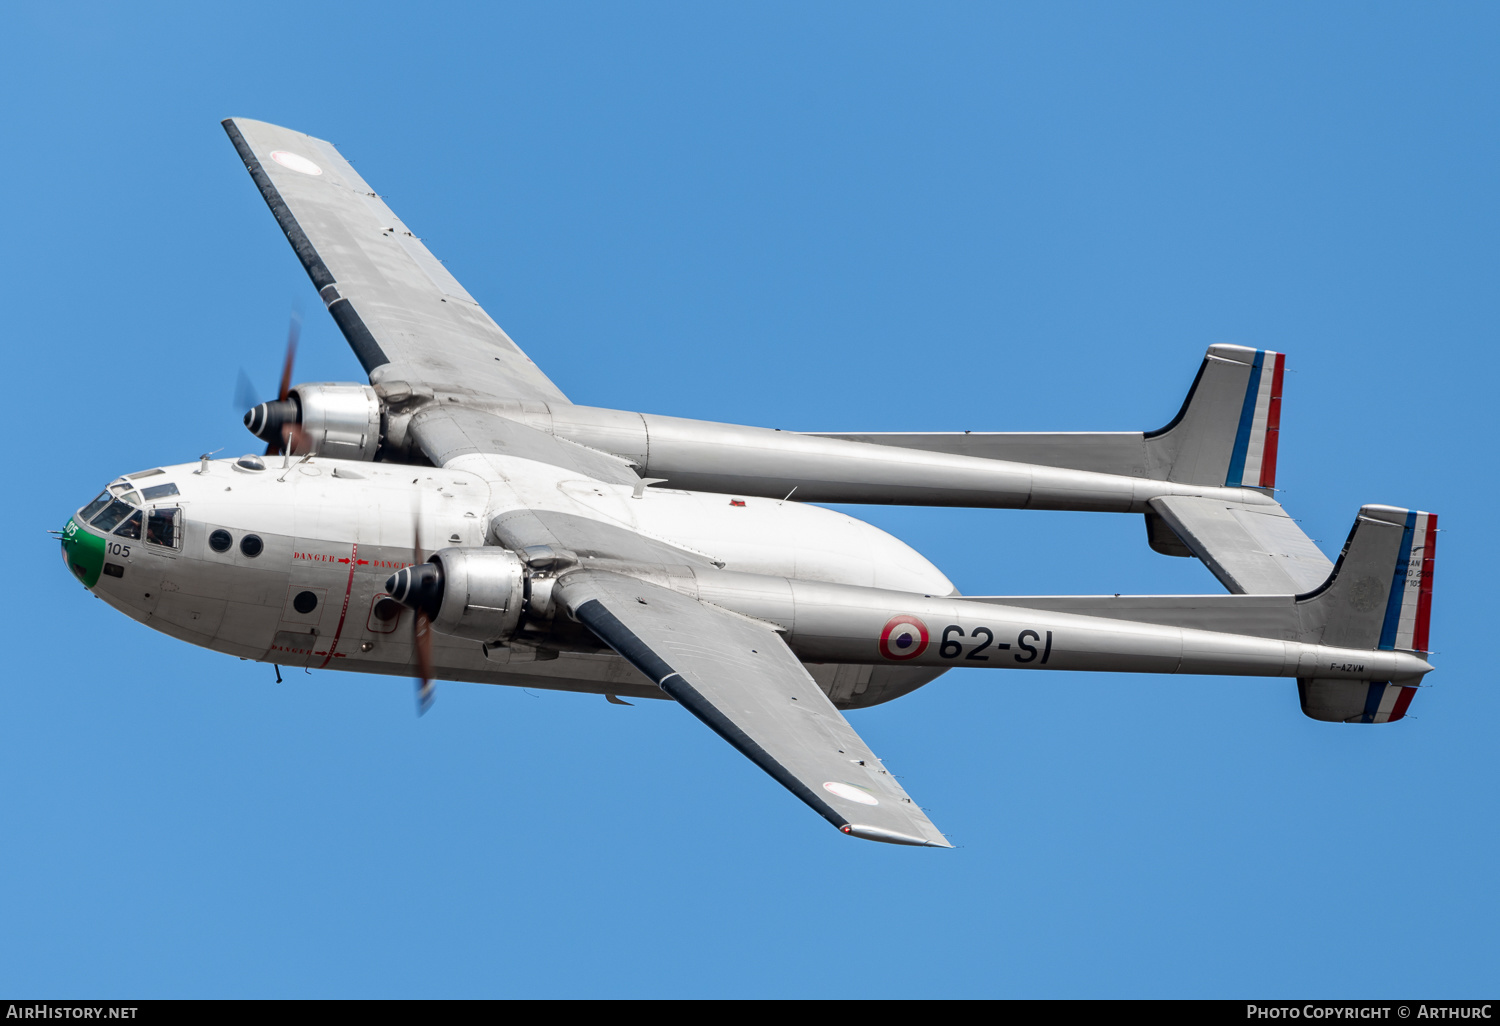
(869, 616)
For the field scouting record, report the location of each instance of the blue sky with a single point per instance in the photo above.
(837, 217)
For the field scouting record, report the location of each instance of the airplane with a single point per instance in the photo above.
(456, 517)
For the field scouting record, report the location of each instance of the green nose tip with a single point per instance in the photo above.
(83, 552)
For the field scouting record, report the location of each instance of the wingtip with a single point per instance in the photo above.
(872, 833)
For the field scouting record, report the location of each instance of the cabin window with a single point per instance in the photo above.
(251, 545)
(220, 540)
(164, 527)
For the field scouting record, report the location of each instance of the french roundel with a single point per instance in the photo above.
(295, 161)
(904, 637)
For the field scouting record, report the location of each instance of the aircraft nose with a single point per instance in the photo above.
(83, 552)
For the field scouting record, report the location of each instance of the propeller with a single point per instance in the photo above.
(246, 394)
(419, 587)
(422, 631)
(276, 421)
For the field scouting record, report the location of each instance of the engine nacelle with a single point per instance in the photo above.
(340, 421)
(475, 593)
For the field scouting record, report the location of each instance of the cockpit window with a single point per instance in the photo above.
(131, 528)
(164, 527)
(93, 507)
(112, 515)
(125, 491)
(160, 491)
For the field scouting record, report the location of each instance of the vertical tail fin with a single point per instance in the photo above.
(1379, 596)
(1228, 428)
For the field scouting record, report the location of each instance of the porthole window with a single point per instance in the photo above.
(220, 541)
(305, 602)
(251, 545)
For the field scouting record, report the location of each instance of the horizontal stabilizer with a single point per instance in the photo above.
(1252, 550)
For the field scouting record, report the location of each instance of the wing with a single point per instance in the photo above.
(406, 318)
(737, 675)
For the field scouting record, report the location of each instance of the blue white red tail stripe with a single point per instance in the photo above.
(1253, 461)
(1273, 425)
(1424, 593)
(1386, 703)
(1408, 607)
